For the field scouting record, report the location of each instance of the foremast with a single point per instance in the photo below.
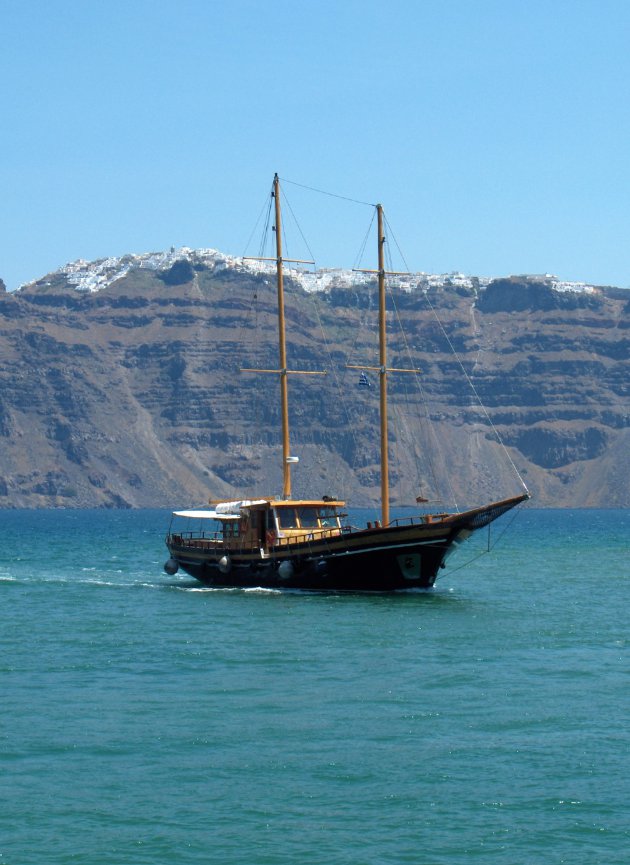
(283, 371)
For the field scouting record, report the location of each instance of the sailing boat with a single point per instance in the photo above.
(307, 543)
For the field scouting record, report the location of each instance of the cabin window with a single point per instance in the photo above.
(308, 517)
(286, 518)
(230, 530)
(328, 517)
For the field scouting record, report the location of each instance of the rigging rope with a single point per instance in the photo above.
(468, 379)
(244, 442)
(478, 398)
(516, 511)
(490, 547)
(327, 349)
(266, 233)
(267, 205)
(418, 381)
(361, 252)
(325, 192)
(299, 228)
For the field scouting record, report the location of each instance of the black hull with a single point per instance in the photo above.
(387, 559)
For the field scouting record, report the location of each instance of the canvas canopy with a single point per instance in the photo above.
(205, 515)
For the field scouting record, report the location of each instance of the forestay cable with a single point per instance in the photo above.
(463, 368)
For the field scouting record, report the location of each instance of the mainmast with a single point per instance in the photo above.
(282, 347)
(382, 368)
(382, 342)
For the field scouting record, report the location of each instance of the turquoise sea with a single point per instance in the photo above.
(145, 719)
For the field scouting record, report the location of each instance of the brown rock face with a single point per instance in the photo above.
(132, 396)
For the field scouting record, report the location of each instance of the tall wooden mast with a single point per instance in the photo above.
(282, 347)
(382, 341)
(283, 372)
(382, 368)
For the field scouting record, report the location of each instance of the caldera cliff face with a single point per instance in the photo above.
(126, 390)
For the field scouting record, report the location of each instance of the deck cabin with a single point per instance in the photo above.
(266, 523)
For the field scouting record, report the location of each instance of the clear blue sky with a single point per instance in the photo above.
(495, 132)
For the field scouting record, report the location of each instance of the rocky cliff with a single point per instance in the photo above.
(121, 386)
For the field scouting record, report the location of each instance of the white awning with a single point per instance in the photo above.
(205, 515)
(236, 507)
